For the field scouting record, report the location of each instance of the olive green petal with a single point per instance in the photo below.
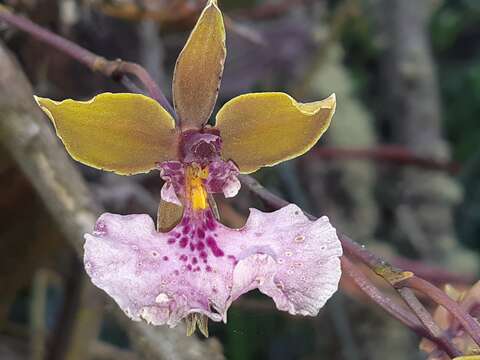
(199, 69)
(264, 129)
(124, 133)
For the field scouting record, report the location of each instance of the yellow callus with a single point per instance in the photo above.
(195, 190)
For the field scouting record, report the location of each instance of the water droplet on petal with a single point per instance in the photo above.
(299, 239)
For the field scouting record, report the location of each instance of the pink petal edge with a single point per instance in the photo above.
(204, 266)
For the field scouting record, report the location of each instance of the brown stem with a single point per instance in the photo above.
(394, 154)
(395, 277)
(115, 69)
(427, 320)
(469, 324)
(378, 265)
(432, 273)
(430, 330)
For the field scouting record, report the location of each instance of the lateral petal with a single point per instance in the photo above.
(264, 129)
(124, 133)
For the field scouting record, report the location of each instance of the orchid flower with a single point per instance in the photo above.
(191, 266)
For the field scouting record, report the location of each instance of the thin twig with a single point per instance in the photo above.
(395, 278)
(409, 297)
(395, 310)
(381, 267)
(470, 325)
(432, 273)
(115, 69)
(393, 154)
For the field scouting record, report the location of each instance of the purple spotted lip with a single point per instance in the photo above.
(201, 266)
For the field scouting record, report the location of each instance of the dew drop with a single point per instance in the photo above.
(299, 239)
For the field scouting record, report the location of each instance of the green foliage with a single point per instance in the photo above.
(456, 41)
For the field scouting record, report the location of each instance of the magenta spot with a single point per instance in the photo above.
(185, 220)
(208, 268)
(176, 272)
(212, 244)
(200, 246)
(173, 165)
(174, 233)
(203, 254)
(214, 290)
(194, 260)
(183, 242)
(205, 261)
(186, 229)
(192, 246)
(211, 224)
(231, 257)
(197, 268)
(165, 258)
(189, 267)
(200, 233)
(171, 241)
(177, 234)
(183, 257)
(100, 228)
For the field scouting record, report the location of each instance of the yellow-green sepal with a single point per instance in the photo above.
(199, 69)
(123, 133)
(264, 129)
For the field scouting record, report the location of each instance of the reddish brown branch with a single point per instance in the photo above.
(395, 277)
(430, 330)
(432, 273)
(380, 267)
(115, 69)
(470, 325)
(394, 154)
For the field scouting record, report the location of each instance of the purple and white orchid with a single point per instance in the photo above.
(191, 266)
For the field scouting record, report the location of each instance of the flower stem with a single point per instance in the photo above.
(397, 278)
(115, 69)
(429, 329)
